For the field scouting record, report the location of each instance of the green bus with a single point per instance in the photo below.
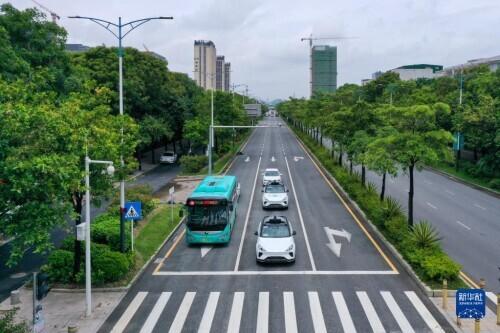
(211, 210)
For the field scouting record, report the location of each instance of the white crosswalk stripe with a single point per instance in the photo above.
(210, 320)
(396, 312)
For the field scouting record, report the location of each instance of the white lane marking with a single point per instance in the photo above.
(313, 265)
(449, 192)
(316, 313)
(396, 312)
(431, 205)
(208, 314)
(333, 245)
(370, 312)
(424, 312)
(463, 225)
(182, 313)
(273, 159)
(204, 250)
(236, 310)
(263, 313)
(343, 311)
(479, 206)
(290, 319)
(240, 273)
(150, 323)
(238, 256)
(492, 297)
(247, 159)
(129, 313)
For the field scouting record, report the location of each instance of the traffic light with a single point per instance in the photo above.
(42, 286)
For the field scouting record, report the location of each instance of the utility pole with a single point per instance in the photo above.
(120, 35)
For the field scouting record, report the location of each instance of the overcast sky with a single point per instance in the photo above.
(261, 38)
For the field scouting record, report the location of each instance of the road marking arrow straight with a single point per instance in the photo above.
(204, 250)
(273, 159)
(298, 158)
(247, 159)
(333, 245)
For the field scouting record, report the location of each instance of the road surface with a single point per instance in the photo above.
(188, 289)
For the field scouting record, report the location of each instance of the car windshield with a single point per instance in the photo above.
(275, 230)
(271, 173)
(275, 189)
(168, 154)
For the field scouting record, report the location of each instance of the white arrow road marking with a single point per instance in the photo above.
(298, 158)
(247, 159)
(204, 250)
(333, 245)
(273, 159)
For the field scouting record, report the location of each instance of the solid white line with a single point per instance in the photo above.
(463, 225)
(290, 319)
(247, 217)
(396, 312)
(431, 205)
(313, 265)
(243, 273)
(182, 313)
(129, 313)
(263, 313)
(236, 310)
(449, 192)
(480, 207)
(370, 312)
(343, 311)
(150, 323)
(208, 314)
(424, 312)
(316, 313)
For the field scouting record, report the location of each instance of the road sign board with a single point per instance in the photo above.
(470, 303)
(458, 141)
(133, 210)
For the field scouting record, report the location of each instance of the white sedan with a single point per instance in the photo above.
(274, 195)
(275, 242)
(168, 157)
(271, 175)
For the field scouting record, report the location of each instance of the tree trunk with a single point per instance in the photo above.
(152, 153)
(77, 207)
(340, 158)
(475, 154)
(382, 192)
(174, 146)
(321, 138)
(138, 156)
(350, 167)
(363, 175)
(333, 153)
(410, 197)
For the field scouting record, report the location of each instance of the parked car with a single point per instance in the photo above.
(168, 157)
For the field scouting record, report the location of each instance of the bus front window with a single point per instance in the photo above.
(208, 218)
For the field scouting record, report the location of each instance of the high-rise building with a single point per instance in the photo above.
(227, 76)
(323, 68)
(219, 76)
(204, 63)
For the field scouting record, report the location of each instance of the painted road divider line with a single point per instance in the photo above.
(153, 317)
(273, 272)
(431, 205)
(468, 280)
(129, 313)
(463, 225)
(372, 240)
(169, 252)
(236, 311)
(311, 259)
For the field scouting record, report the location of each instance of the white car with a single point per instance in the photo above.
(274, 195)
(275, 242)
(271, 175)
(168, 157)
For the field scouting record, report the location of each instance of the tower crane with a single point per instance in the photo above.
(55, 17)
(311, 39)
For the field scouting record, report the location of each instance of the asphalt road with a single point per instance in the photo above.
(187, 289)
(467, 219)
(15, 277)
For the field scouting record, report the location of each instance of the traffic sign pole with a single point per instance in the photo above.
(132, 235)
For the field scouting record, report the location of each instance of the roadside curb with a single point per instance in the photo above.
(369, 224)
(464, 182)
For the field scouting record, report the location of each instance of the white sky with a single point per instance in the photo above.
(261, 38)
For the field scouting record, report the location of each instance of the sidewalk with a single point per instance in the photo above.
(488, 323)
(61, 310)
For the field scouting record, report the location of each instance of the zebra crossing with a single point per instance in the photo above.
(311, 311)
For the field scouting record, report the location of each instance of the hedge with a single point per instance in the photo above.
(194, 163)
(106, 230)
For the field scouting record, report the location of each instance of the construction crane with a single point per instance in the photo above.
(311, 39)
(55, 17)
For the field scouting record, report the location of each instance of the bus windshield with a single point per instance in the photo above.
(207, 218)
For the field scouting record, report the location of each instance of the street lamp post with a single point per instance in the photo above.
(120, 26)
(110, 170)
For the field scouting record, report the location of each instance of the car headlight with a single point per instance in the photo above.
(290, 248)
(261, 248)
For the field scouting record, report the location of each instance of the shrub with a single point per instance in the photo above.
(391, 208)
(109, 266)
(9, 324)
(494, 183)
(371, 188)
(397, 228)
(142, 193)
(106, 230)
(425, 235)
(193, 163)
(59, 266)
(439, 266)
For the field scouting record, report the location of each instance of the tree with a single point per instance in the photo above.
(417, 142)
(153, 130)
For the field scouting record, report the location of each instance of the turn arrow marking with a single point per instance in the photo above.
(204, 250)
(333, 245)
(247, 159)
(298, 158)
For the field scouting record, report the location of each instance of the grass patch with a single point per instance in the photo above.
(464, 175)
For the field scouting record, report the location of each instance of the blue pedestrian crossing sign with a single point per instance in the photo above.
(133, 210)
(471, 303)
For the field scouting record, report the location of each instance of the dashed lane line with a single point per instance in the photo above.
(463, 225)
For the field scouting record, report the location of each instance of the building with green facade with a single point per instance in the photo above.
(323, 68)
